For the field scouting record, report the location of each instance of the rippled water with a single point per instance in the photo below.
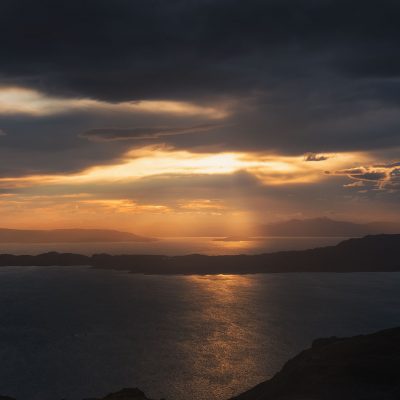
(78, 332)
(177, 246)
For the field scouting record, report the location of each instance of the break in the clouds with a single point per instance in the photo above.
(278, 91)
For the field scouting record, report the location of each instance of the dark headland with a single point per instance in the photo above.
(378, 253)
(365, 367)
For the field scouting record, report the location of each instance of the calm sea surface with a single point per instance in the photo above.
(78, 332)
(177, 246)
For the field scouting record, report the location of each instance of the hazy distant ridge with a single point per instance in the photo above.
(327, 227)
(68, 236)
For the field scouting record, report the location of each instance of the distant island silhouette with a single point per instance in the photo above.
(371, 253)
(313, 227)
(68, 236)
(324, 226)
(237, 239)
(364, 367)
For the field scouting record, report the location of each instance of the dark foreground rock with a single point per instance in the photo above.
(365, 367)
(357, 368)
(125, 394)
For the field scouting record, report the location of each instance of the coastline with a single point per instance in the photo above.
(374, 253)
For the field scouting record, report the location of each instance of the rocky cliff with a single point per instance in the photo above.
(357, 368)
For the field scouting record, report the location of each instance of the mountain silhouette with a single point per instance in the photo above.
(324, 226)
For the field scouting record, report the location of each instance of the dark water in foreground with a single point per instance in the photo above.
(76, 332)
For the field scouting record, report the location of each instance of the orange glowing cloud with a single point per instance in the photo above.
(120, 206)
(153, 161)
(114, 192)
(25, 101)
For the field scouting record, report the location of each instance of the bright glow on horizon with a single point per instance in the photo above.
(115, 192)
(147, 162)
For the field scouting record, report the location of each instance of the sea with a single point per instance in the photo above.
(79, 332)
(178, 246)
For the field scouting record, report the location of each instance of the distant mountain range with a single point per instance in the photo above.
(68, 236)
(326, 227)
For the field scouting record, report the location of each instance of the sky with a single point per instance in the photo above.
(198, 117)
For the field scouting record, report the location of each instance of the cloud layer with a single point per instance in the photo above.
(247, 101)
(115, 134)
(382, 176)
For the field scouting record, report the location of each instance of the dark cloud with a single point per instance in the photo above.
(365, 173)
(140, 49)
(315, 157)
(350, 171)
(115, 134)
(51, 144)
(370, 176)
(384, 176)
(301, 75)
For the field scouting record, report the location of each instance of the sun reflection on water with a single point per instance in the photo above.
(226, 320)
(232, 246)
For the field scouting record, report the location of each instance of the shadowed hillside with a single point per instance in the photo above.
(363, 367)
